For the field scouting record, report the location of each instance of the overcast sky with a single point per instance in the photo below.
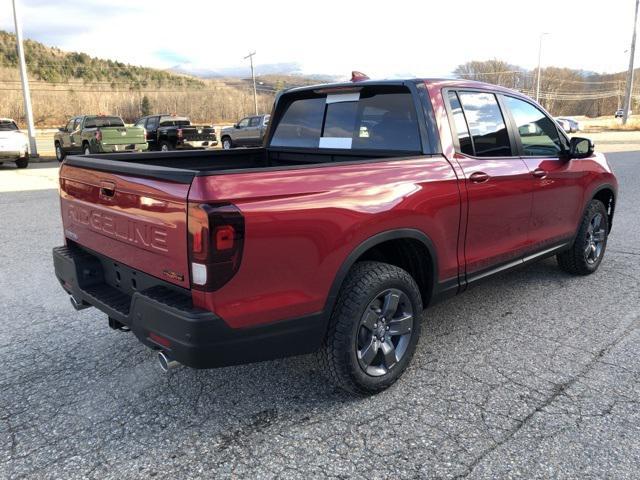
(382, 39)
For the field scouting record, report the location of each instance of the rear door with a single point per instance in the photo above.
(138, 222)
(497, 182)
(557, 191)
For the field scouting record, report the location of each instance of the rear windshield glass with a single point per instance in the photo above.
(368, 120)
(93, 122)
(6, 125)
(174, 122)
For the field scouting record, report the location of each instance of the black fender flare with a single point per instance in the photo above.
(397, 234)
(591, 196)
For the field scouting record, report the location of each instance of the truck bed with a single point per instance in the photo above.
(183, 166)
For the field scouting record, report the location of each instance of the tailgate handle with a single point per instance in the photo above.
(107, 189)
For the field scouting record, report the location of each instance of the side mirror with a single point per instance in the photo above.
(580, 147)
(235, 125)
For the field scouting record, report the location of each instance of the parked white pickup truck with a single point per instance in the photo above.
(14, 144)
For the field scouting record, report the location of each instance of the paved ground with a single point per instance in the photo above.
(534, 374)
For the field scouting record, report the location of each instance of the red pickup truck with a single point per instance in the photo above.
(369, 201)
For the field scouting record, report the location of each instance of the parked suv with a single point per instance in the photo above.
(248, 132)
(97, 134)
(368, 202)
(170, 132)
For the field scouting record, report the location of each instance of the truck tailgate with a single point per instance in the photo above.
(122, 135)
(139, 222)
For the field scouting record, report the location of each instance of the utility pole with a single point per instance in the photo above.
(539, 73)
(253, 77)
(632, 53)
(25, 83)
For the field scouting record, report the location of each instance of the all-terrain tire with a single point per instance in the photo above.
(585, 255)
(338, 357)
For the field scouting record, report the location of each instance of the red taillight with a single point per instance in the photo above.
(216, 240)
(179, 133)
(225, 237)
(98, 135)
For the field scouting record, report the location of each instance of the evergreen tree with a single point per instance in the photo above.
(145, 106)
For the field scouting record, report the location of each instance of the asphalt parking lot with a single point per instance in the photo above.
(533, 374)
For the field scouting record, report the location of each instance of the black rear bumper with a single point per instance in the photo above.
(162, 317)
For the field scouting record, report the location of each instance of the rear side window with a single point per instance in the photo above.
(462, 130)
(538, 133)
(254, 122)
(152, 123)
(486, 124)
(366, 120)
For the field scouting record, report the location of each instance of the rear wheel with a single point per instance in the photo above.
(374, 328)
(586, 253)
(60, 155)
(226, 143)
(22, 162)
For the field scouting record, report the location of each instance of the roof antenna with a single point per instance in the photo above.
(358, 76)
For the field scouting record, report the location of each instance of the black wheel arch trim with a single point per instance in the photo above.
(438, 289)
(592, 195)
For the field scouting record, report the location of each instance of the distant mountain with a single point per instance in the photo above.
(288, 69)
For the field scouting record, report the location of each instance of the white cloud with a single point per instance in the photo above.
(335, 37)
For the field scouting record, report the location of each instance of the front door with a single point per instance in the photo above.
(498, 184)
(240, 134)
(254, 130)
(557, 193)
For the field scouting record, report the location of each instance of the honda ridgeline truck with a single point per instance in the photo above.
(369, 202)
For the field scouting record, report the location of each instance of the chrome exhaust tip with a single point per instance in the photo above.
(166, 363)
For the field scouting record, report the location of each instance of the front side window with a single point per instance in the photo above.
(366, 120)
(71, 125)
(152, 123)
(243, 123)
(486, 124)
(538, 133)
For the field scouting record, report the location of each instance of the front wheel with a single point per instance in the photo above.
(586, 253)
(165, 146)
(22, 162)
(226, 143)
(374, 329)
(60, 155)
(86, 149)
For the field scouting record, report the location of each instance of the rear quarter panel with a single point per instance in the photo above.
(302, 224)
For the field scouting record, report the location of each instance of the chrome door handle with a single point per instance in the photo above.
(539, 173)
(479, 177)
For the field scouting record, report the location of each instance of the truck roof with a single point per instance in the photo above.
(440, 82)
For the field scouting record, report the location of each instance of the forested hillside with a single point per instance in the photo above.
(51, 64)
